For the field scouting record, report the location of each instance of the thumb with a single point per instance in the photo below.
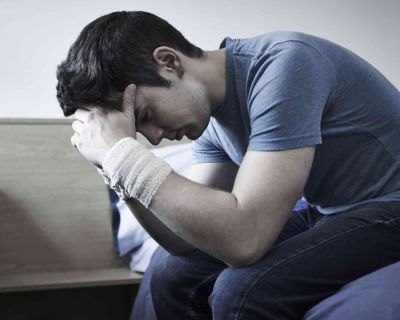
(128, 99)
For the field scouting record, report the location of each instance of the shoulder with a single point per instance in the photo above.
(263, 43)
(269, 55)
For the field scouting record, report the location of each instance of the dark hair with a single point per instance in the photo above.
(112, 52)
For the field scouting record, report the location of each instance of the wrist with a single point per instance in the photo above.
(133, 171)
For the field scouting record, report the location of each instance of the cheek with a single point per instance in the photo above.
(179, 109)
(164, 117)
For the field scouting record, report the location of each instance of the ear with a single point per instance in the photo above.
(168, 59)
(128, 101)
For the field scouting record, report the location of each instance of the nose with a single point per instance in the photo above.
(152, 133)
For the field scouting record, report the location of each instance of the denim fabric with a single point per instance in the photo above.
(143, 308)
(374, 296)
(314, 256)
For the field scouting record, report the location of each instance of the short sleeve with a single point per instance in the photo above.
(206, 150)
(288, 92)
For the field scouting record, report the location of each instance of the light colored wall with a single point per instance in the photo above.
(36, 34)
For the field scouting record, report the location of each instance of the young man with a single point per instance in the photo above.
(275, 117)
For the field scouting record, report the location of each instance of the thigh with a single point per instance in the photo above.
(305, 269)
(181, 285)
(374, 296)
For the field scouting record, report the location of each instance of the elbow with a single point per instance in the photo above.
(245, 256)
(250, 250)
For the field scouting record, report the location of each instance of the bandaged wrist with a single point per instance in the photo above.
(133, 171)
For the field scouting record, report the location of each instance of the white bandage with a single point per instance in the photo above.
(133, 171)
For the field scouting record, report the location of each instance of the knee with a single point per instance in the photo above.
(223, 286)
(168, 277)
(165, 275)
(182, 284)
(247, 293)
(228, 293)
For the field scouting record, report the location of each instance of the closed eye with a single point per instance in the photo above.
(145, 117)
(141, 116)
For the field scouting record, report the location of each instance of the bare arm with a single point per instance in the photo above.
(237, 227)
(216, 175)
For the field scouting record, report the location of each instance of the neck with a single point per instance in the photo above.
(211, 72)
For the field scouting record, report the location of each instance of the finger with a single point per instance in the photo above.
(82, 114)
(128, 100)
(77, 126)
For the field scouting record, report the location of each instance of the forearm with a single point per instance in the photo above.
(210, 219)
(236, 227)
(158, 230)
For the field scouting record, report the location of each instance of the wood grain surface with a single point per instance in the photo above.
(55, 218)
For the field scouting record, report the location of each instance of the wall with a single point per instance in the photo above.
(36, 34)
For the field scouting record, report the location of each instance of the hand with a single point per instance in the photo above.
(97, 129)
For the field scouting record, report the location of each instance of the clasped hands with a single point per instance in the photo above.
(96, 130)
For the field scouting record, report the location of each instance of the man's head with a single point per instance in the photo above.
(137, 47)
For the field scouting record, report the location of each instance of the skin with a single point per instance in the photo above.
(245, 208)
(184, 108)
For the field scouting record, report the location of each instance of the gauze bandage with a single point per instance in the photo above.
(133, 171)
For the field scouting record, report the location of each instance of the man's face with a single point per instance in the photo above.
(182, 109)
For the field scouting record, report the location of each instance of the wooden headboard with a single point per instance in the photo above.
(54, 207)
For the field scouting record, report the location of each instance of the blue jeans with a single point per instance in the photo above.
(374, 296)
(314, 256)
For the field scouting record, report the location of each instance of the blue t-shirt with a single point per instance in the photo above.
(293, 90)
